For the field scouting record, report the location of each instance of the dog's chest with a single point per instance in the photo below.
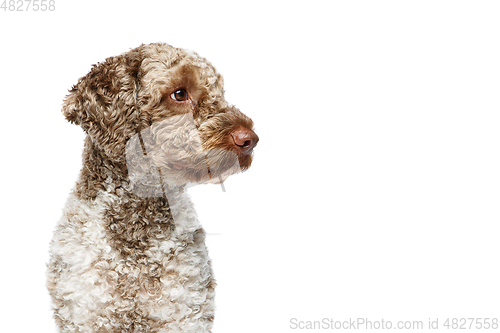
(149, 265)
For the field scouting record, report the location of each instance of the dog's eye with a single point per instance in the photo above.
(179, 95)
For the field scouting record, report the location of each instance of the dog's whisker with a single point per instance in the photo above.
(222, 184)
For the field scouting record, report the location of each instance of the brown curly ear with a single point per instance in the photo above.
(103, 102)
(70, 108)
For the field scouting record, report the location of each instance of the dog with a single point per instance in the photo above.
(128, 254)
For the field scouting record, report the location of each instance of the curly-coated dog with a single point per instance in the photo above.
(128, 255)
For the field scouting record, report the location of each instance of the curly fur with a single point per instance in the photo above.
(128, 254)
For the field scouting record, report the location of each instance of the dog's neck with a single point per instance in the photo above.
(97, 171)
(133, 218)
(100, 173)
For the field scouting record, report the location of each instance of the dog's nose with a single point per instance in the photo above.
(245, 139)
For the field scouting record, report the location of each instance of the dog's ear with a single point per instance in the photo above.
(70, 109)
(103, 102)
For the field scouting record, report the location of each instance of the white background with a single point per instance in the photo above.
(375, 188)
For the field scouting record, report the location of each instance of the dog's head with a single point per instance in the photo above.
(161, 110)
